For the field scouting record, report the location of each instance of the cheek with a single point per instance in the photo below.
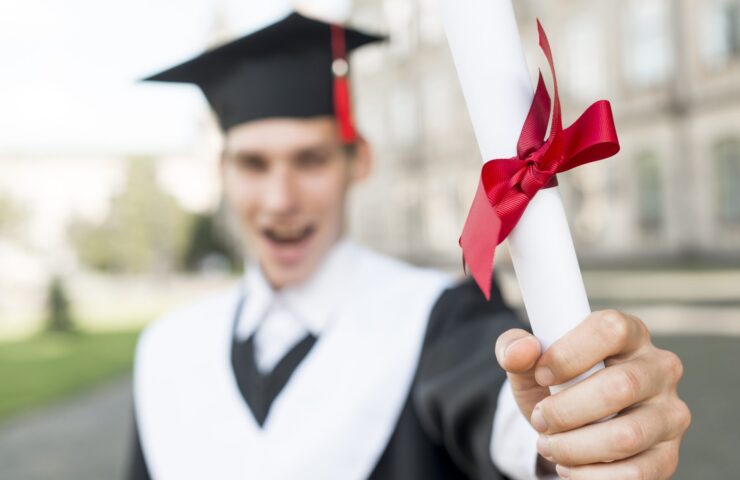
(325, 195)
(243, 197)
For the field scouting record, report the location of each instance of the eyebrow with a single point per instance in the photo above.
(245, 153)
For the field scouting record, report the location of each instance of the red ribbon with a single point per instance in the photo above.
(507, 185)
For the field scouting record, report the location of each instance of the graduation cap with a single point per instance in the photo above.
(296, 67)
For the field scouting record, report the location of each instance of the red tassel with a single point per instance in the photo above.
(343, 109)
(342, 98)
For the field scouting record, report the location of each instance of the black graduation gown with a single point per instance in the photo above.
(445, 428)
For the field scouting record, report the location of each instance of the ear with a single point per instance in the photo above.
(222, 166)
(362, 162)
(224, 147)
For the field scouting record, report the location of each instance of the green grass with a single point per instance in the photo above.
(41, 369)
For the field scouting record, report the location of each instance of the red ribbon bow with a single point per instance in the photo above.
(507, 185)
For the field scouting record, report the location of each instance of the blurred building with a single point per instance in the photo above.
(670, 67)
(672, 71)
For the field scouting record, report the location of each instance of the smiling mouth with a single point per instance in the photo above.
(288, 236)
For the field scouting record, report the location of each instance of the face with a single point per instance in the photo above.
(287, 180)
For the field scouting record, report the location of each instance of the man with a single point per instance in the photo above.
(331, 361)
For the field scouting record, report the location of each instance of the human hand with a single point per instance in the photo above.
(638, 386)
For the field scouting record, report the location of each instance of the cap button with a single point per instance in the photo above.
(340, 67)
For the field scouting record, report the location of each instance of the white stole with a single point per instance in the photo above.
(333, 419)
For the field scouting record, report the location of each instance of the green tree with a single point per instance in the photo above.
(146, 230)
(59, 318)
(208, 239)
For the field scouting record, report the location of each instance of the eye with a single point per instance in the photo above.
(312, 159)
(251, 163)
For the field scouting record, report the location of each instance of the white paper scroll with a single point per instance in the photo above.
(487, 50)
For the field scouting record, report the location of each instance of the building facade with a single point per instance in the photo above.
(671, 69)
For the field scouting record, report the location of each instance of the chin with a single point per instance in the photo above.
(280, 276)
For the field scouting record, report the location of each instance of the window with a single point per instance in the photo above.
(401, 18)
(584, 69)
(404, 121)
(721, 32)
(727, 158)
(431, 28)
(649, 191)
(648, 56)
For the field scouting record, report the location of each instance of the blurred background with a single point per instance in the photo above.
(111, 213)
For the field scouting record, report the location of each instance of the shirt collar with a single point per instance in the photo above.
(312, 302)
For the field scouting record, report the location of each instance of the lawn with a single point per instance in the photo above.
(47, 367)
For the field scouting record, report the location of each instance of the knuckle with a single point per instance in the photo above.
(683, 415)
(615, 326)
(554, 416)
(640, 325)
(673, 364)
(561, 451)
(630, 438)
(625, 388)
(558, 357)
(561, 363)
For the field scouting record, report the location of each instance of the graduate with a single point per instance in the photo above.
(330, 361)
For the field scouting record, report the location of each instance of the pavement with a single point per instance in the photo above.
(85, 437)
(711, 388)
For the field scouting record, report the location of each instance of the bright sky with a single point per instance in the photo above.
(68, 70)
(69, 98)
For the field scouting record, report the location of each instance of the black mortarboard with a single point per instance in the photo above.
(295, 67)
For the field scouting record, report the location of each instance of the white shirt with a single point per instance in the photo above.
(283, 318)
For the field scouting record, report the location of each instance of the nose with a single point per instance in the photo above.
(280, 193)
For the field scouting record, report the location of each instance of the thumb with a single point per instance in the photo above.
(517, 351)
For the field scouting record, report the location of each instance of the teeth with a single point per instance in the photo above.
(287, 235)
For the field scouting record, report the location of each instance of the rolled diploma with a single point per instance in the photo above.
(487, 50)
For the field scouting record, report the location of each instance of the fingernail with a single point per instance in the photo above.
(543, 446)
(509, 346)
(538, 421)
(564, 472)
(544, 376)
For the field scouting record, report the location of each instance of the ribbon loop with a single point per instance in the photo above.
(535, 125)
(508, 185)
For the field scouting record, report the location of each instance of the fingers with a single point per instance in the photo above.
(607, 392)
(619, 438)
(517, 351)
(604, 334)
(658, 463)
(639, 385)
